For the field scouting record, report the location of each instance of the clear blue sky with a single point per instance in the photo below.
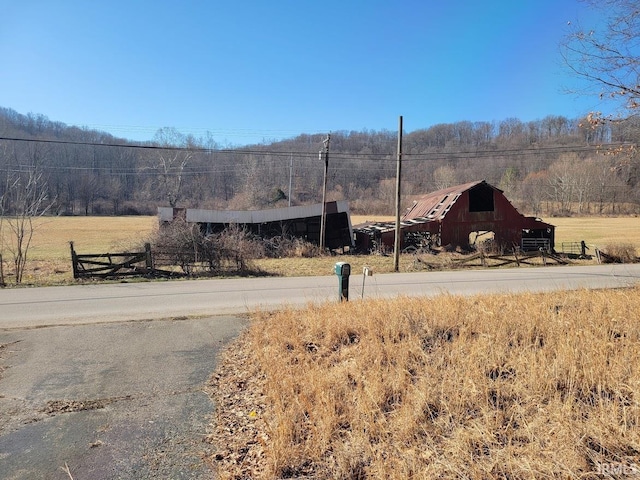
(254, 70)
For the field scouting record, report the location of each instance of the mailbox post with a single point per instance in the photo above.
(343, 270)
(366, 272)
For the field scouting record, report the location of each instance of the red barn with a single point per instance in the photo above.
(453, 215)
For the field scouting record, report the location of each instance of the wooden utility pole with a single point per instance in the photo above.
(290, 175)
(396, 250)
(323, 218)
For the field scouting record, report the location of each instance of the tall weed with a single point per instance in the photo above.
(500, 386)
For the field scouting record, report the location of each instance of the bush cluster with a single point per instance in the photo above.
(185, 245)
(620, 253)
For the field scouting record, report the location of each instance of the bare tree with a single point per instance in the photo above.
(561, 183)
(3, 195)
(509, 181)
(607, 57)
(584, 183)
(533, 187)
(26, 192)
(444, 177)
(606, 183)
(87, 188)
(171, 162)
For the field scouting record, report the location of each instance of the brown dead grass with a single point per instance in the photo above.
(499, 386)
(598, 231)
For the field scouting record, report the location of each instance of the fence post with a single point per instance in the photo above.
(2, 284)
(74, 261)
(148, 257)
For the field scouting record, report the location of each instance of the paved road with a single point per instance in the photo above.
(114, 398)
(136, 301)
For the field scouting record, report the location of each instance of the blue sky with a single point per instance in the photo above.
(250, 71)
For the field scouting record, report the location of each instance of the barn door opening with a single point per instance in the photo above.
(482, 241)
(537, 239)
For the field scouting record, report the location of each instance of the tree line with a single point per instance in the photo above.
(552, 166)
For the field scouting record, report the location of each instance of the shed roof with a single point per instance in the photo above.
(255, 216)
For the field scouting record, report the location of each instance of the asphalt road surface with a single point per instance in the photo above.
(109, 401)
(30, 307)
(106, 380)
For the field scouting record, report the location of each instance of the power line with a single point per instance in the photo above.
(306, 153)
(342, 155)
(152, 146)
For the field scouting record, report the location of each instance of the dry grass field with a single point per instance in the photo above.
(50, 260)
(49, 254)
(523, 386)
(91, 234)
(598, 231)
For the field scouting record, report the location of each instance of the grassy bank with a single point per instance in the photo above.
(501, 386)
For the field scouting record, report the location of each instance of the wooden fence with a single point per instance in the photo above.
(110, 265)
(518, 258)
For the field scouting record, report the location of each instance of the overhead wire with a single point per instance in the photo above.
(343, 162)
(477, 153)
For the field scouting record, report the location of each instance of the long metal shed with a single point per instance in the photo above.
(301, 221)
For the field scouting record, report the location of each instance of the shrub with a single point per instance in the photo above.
(282, 246)
(234, 245)
(619, 253)
(183, 244)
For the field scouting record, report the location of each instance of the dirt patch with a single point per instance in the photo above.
(5, 351)
(239, 433)
(67, 406)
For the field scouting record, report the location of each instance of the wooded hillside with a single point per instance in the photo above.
(552, 166)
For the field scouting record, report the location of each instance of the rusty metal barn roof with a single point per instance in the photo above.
(429, 207)
(435, 205)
